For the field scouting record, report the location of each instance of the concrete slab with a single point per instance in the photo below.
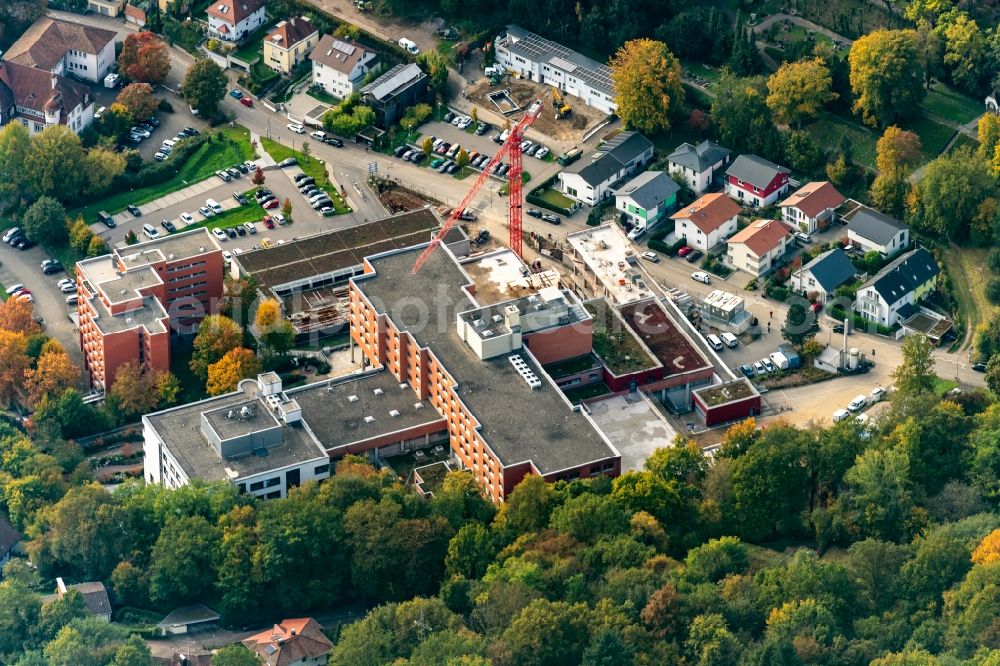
(634, 426)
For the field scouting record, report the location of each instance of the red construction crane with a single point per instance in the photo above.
(512, 146)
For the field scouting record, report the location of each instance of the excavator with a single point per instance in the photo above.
(563, 110)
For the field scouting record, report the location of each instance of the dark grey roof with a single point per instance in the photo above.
(698, 158)
(903, 275)
(95, 597)
(875, 226)
(185, 615)
(535, 48)
(831, 269)
(755, 170)
(610, 158)
(8, 536)
(390, 83)
(649, 189)
(626, 146)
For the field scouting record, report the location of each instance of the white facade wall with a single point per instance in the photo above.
(92, 67)
(238, 31)
(554, 76)
(698, 181)
(697, 238)
(871, 307)
(337, 83)
(743, 258)
(898, 243)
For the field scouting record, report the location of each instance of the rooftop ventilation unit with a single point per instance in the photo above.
(418, 405)
(369, 419)
(527, 374)
(393, 412)
(487, 333)
(352, 398)
(378, 391)
(478, 323)
(497, 318)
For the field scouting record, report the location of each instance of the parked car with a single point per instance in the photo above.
(279, 218)
(859, 403)
(25, 244)
(685, 251)
(247, 102)
(747, 370)
(694, 256)
(399, 150)
(651, 256)
(187, 218)
(333, 141)
(230, 233)
(838, 328)
(219, 234)
(243, 168)
(452, 167)
(223, 175)
(418, 157)
(482, 128)
(319, 203)
(106, 218)
(877, 394)
(979, 367)
(159, 156)
(542, 152)
(150, 231)
(132, 208)
(169, 226)
(250, 227)
(236, 94)
(308, 180)
(759, 369)
(14, 288)
(766, 362)
(233, 171)
(802, 237)
(271, 204)
(268, 222)
(206, 211)
(287, 162)
(72, 299)
(552, 219)
(448, 117)
(240, 199)
(10, 233)
(534, 212)
(297, 128)
(53, 268)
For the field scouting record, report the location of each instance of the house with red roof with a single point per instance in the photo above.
(707, 221)
(296, 642)
(232, 20)
(811, 207)
(756, 248)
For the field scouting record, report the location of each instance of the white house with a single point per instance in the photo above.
(63, 48)
(340, 65)
(698, 165)
(872, 231)
(823, 275)
(893, 294)
(38, 99)
(756, 248)
(646, 199)
(706, 222)
(754, 181)
(232, 20)
(811, 206)
(537, 59)
(590, 179)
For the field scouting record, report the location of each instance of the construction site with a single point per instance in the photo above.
(522, 93)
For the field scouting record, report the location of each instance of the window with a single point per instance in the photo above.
(256, 485)
(272, 482)
(321, 469)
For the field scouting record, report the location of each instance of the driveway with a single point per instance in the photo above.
(22, 266)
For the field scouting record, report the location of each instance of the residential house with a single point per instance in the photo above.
(38, 99)
(188, 619)
(646, 199)
(232, 20)
(811, 207)
(756, 248)
(289, 43)
(65, 49)
(707, 221)
(95, 597)
(872, 231)
(402, 86)
(893, 294)
(538, 59)
(823, 275)
(589, 180)
(699, 165)
(110, 8)
(754, 181)
(296, 642)
(340, 65)
(8, 539)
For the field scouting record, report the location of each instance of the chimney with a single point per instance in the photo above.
(55, 80)
(60, 587)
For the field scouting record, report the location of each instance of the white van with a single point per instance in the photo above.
(150, 231)
(714, 341)
(859, 403)
(730, 340)
(840, 415)
(169, 143)
(214, 206)
(319, 135)
(408, 45)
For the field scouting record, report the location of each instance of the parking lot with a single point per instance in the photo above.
(483, 144)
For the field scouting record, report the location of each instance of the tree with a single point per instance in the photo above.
(462, 159)
(936, 444)
(886, 76)
(993, 374)
(144, 57)
(804, 154)
(138, 390)
(741, 116)
(950, 193)
(46, 220)
(647, 81)
(225, 374)
(547, 633)
(744, 60)
(800, 323)
(896, 154)
(18, 317)
(306, 149)
(427, 146)
(286, 208)
(97, 246)
(878, 501)
(716, 559)
(234, 655)
(710, 643)
(138, 100)
(528, 507)
(799, 90)
(470, 551)
(965, 51)
(916, 373)
(14, 362)
(216, 336)
(989, 140)
(180, 568)
(204, 86)
(55, 164)
(273, 330)
(258, 177)
(103, 166)
(54, 373)
(133, 652)
(14, 145)
(988, 550)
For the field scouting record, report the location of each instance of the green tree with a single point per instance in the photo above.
(609, 648)
(470, 551)
(61, 612)
(216, 336)
(547, 633)
(86, 641)
(528, 507)
(392, 631)
(710, 643)
(234, 655)
(55, 164)
(180, 567)
(804, 154)
(878, 501)
(15, 143)
(20, 612)
(950, 193)
(741, 116)
(799, 90)
(993, 375)
(916, 373)
(589, 517)
(133, 652)
(875, 566)
(800, 323)
(965, 51)
(647, 81)
(936, 444)
(886, 76)
(46, 220)
(204, 86)
(745, 59)
(713, 561)
(460, 500)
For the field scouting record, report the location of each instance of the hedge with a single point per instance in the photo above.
(860, 322)
(155, 173)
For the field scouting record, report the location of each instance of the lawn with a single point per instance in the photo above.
(964, 140)
(311, 166)
(967, 269)
(323, 96)
(556, 198)
(233, 217)
(700, 70)
(576, 395)
(942, 386)
(952, 105)
(253, 45)
(208, 159)
(933, 135)
(830, 129)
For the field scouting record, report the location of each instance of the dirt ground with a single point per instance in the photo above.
(569, 130)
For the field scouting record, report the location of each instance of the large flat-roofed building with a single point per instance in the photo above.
(131, 300)
(505, 416)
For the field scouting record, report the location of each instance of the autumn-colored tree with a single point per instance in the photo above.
(988, 550)
(14, 362)
(989, 141)
(647, 82)
(97, 246)
(103, 166)
(427, 146)
(54, 373)
(965, 51)
(274, 331)
(80, 235)
(216, 336)
(799, 90)
(145, 58)
(886, 76)
(18, 316)
(138, 390)
(239, 363)
(258, 177)
(462, 159)
(896, 155)
(286, 208)
(138, 100)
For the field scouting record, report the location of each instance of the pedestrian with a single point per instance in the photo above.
(770, 315)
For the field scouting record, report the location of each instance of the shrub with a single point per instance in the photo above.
(165, 106)
(659, 246)
(993, 260)
(993, 290)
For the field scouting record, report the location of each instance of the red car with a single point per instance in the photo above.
(268, 222)
(273, 203)
(684, 251)
(247, 102)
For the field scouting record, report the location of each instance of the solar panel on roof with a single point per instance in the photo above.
(344, 47)
(562, 64)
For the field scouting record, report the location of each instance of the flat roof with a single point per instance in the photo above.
(724, 301)
(720, 394)
(663, 337)
(607, 252)
(149, 316)
(636, 424)
(170, 247)
(519, 424)
(231, 421)
(498, 277)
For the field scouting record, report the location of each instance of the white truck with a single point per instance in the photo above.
(780, 360)
(111, 80)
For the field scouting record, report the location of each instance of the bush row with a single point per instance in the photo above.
(860, 322)
(155, 173)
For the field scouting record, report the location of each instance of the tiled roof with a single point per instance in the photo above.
(709, 212)
(290, 642)
(813, 198)
(32, 89)
(233, 11)
(904, 275)
(45, 43)
(342, 55)
(762, 236)
(755, 170)
(698, 158)
(875, 226)
(831, 269)
(289, 33)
